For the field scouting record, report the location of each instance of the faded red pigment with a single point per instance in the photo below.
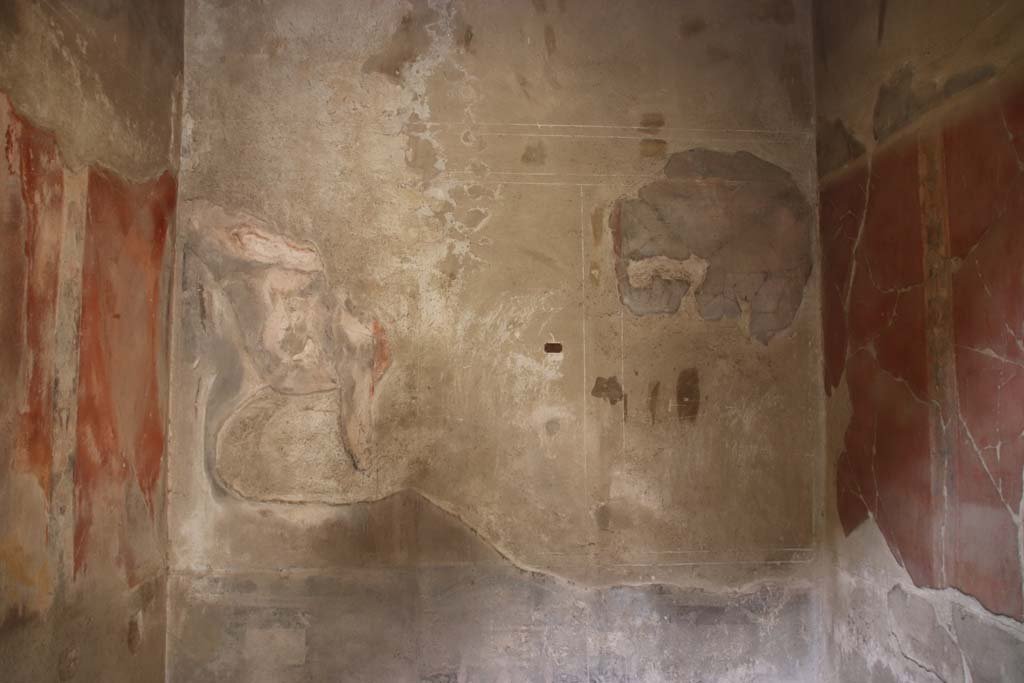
(121, 407)
(945, 495)
(381, 355)
(36, 214)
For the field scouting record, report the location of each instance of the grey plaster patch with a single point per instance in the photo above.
(994, 654)
(920, 636)
(743, 215)
(483, 624)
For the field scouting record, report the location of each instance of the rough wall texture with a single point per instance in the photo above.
(87, 102)
(923, 321)
(541, 271)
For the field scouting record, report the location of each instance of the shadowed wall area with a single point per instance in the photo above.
(532, 340)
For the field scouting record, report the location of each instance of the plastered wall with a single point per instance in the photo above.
(478, 301)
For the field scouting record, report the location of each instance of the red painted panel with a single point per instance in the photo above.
(893, 240)
(841, 215)
(33, 164)
(981, 167)
(985, 561)
(887, 464)
(121, 411)
(986, 219)
(900, 345)
(1013, 113)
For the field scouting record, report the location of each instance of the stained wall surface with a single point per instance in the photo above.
(88, 101)
(492, 310)
(921, 207)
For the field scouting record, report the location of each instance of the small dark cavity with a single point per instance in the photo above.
(552, 427)
(607, 388)
(553, 347)
(541, 6)
(603, 515)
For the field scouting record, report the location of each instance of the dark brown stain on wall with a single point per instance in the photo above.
(534, 153)
(688, 394)
(608, 388)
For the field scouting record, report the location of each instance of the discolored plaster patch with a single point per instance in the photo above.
(903, 98)
(742, 216)
(900, 101)
(836, 146)
(653, 147)
(421, 155)
(652, 120)
(534, 154)
(408, 43)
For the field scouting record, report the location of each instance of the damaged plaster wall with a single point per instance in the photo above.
(495, 309)
(89, 96)
(921, 156)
